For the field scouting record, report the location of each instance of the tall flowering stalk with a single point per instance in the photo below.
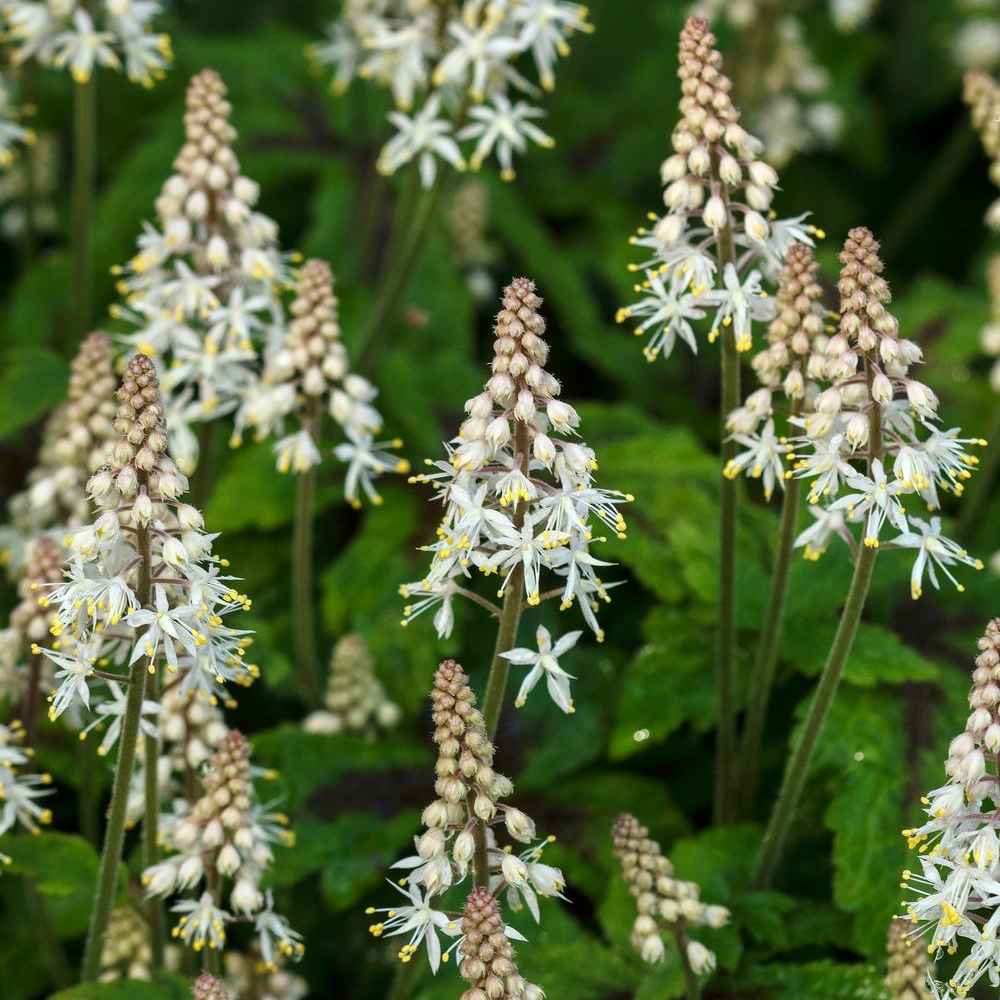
(203, 290)
(456, 70)
(142, 591)
(707, 252)
(306, 373)
(785, 368)
(74, 35)
(519, 503)
(219, 851)
(952, 899)
(664, 903)
(459, 839)
(871, 413)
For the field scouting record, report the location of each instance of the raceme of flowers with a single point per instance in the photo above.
(203, 290)
(785, 367)
(952, 899)
(869, 408)
(455, 71)
(20, 791)
(75, 442)
(306, 371)
(717, 193)
(518, 492)
(99, 617)
(663, 902)
(982, 94)
(355, 700)
(73, 35)
(228, 835)
(469, 792)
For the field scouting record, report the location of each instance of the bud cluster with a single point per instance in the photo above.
(908, 965)
(207, 987)
(519, 494)
(953, 899)
(308, 371)
(43, 568)
(227, 834)
(468, 221)
(126, 953)
(465, 59)
(460, 825)
(717, 192)
(355, 699)
(487, 962)
(982, 94)
(663, 901)
(203, 289)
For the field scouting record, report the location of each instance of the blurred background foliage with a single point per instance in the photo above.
(908, 166)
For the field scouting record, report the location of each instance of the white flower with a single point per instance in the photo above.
(114, 710)
(419, 920)
(503, 127)
(478, 53)
(701, 960)
(424, 136)
(201, 923)
(739, 305)
(81, 47)
(166, 627)
(275, 934)
(545, 24)
(762, 458)
(817, 536)
(877, 497)
(297, 452)
(366, 459)
(545, 662)
(933, 549)
(667, 309)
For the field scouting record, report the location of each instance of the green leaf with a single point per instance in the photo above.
(164, 988)
(818, 981)
(32, 381)
(63, 867)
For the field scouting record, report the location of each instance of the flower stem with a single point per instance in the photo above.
(730, 382)
(767, 650)
(776, 836)
(150, 832)
(84, 172)
(303, 618)
(400, 271)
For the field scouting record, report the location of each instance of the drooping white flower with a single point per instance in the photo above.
(545, 662)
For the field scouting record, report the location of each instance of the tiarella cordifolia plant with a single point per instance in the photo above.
(13, 135)
(308, 373)
(952, 899)
(520, 501)
(355, 700)
(75, 442)
(908, 965)
(70, 34)
(487, 957)
(20, 792)
(221, 849)
(203, 291)
(870, 412)
(459, 836)
(458, 62)
(982, 94)
(664, 902)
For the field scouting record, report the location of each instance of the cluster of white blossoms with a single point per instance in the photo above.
(355, 700)
(13, 135)
(469, 792)
(222, 847)
(717, 192)
(788, 109)
(870, 413)
(143, 537)
(457, 65)
(952, 899)
(663, 902)
(79, 36)
(518, 491)
(203, 291)
(982, 93)
(75, 442)
(20, 792)
(306, 372)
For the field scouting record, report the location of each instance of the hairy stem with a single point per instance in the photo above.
(303, 618)
(730, 383)
(772, 847)
(766, 660)
(400, 272)
(84, 173)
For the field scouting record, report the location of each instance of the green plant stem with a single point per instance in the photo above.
(772, 847)
(303, 618)
(766, 660)
(84, 175)
(203, 477)
(982, 485)
(400, 272)
(725, 745)
(87, 793)
(150, 832)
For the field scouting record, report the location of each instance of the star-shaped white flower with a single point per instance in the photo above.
(545, 661)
